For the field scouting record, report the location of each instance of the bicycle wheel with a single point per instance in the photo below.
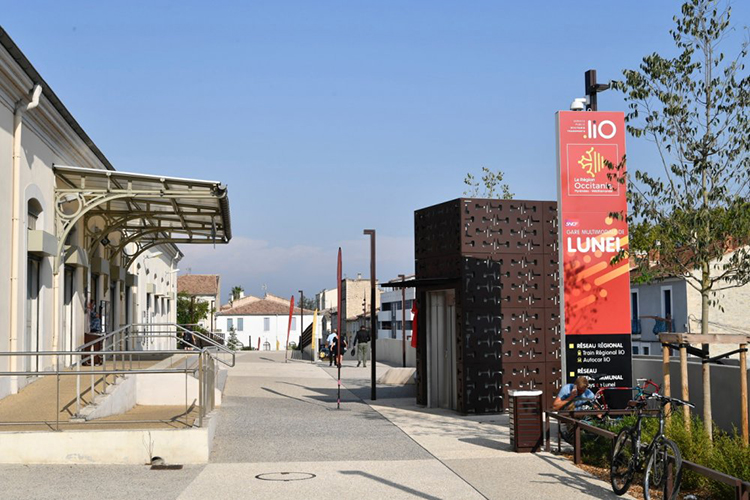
(664, 452)
(622, 461)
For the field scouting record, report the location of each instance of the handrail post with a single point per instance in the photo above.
(57, 405)
(577, 445)
(546, 432)
(201, 396)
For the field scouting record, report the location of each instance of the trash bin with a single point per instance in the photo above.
(526, 432)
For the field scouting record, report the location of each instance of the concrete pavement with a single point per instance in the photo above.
(281, 436)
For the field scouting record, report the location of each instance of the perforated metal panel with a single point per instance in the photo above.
(503, 255)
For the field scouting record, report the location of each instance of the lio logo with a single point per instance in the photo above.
(606, 129)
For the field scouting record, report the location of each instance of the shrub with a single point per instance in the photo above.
(729, 456)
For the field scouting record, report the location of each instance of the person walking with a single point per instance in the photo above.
(337, 353)
(362, 344)
(329, 345)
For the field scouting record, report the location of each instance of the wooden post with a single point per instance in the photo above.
(684, 377)
(743, 393)
(667, 382)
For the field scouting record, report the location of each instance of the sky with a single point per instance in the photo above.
(325, 118)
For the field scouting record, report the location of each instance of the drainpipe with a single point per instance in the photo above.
(22, 106)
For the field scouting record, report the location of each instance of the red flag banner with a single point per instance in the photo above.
(289, 328)
(414, 311)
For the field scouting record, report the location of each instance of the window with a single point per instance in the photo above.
(385, 325)
(240, 324)
(398, 325)
(386, 306)
(634, 304)
(635, 349)
(398, 305)
(666, 307)
(408, 324)
(266, 324)
(646, 350)
(408, 304)
(230, 324)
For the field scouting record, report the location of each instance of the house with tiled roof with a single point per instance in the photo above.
(262, 323)
(203, 288)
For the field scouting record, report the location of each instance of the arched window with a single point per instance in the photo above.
(34, 210)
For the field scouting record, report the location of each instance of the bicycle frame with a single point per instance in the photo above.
(642, 454)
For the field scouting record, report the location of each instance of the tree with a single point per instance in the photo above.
(309, 303)
(191, 311)
(491, 182)
(237, 292)
(694, 218)
(233, 342)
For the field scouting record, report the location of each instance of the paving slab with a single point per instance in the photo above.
(355, 480)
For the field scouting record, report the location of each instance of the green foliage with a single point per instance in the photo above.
(726, 454)
(191, 311)
(236, 292)
(695, 108)
(491, 182)
(233, 342)
(309, 303)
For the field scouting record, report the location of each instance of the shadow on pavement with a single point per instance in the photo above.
(411, 491)
(487, 443)
(579, 481)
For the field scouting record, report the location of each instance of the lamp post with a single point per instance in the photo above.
(373, 325)
(403, 319)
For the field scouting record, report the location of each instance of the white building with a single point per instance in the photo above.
(203, 288)
(390, 316)
(262, 323)
(74, 229)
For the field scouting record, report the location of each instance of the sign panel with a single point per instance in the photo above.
(595, 294)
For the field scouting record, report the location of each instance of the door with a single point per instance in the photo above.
(67, 312)
(31, 337)
(441, 349)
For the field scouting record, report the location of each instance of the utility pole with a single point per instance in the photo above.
(373, 320)
(403, 319)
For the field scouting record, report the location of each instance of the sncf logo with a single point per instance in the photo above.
(571, 223)
(605, 129)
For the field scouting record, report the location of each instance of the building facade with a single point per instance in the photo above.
(262, 323)
(202, 288)
(76, 239)
(391, 315)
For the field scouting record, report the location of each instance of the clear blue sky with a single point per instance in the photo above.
(326, 117)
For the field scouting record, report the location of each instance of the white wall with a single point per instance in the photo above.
(253, 329)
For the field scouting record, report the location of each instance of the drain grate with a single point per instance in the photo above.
(285, 476)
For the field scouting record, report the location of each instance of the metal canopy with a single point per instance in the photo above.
(139, 210)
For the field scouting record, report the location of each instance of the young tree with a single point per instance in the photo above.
(694, 217)
(233, 342)
(191, 311)
(237, 292)
(491, 183)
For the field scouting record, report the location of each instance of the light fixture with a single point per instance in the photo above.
(105, 241)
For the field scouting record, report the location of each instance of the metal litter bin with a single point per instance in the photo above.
(526, 433)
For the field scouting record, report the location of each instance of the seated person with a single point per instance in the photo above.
(568, 394)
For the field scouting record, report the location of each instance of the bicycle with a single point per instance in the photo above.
(629, 456)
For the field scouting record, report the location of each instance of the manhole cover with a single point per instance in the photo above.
(285, 476)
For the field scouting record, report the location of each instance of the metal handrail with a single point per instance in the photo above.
(102, 337)
(220, 347)
(205, 369)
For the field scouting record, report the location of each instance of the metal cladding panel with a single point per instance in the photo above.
(483, 392)
(524, 376)
(437, 231)
(507, 298)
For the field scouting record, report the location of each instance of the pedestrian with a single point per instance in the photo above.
(337, 352)
(329, 344)
(362, 344)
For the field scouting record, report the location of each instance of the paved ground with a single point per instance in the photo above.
(281, 436)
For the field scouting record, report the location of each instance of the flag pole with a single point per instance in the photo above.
(338, 344)
(288, 329)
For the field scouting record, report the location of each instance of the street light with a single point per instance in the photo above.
(373, 320)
